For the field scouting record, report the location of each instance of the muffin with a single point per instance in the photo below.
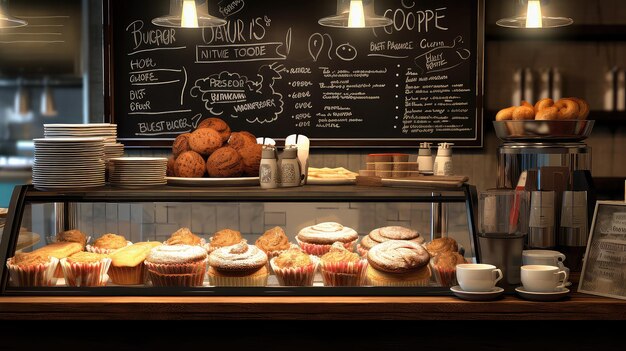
(440, 245)
(383, 234)
(127, 267)
(205, 141)
(222, 238)
(184, 236)
(251, 158)
(239, 140)
(273, 242)
(218, 125)
(181, 144)
(225, 162)
(59, 250)
(32, 269)
(398, 263)
(74, 236)
(190, 165)
(177, 265)
(238, 265)
(85, 269)
(317, 239)
(444, 267)
(108, 243)
(294, 267)
(170, 170)
(341, 267)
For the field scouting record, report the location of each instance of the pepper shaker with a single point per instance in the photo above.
(268, 169)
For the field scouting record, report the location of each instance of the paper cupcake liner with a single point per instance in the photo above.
(194, 279)
(319, 249)
(36, 275)
(182, 268)
(362, 251)
(344, 273)
(58, 272)
(299, 276)
(100, 250)
(251, 280)
(127, 275)
(276, 253)
(445, 277)
(85, 274)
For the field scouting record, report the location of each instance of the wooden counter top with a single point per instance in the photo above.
(510, 306)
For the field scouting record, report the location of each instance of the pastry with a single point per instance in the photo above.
(387, 233)
(568, 109)
(85, 269)
(505, 114)
(127, 267)
(523, 113)
(225, 162)
(273, 242)
(543, 103)
(548, 113)
(32, 269)
(440, 245)
(73, 235)
(108, 243)
(239, 140)
(398, 263)
(171, 167)
(251, 158)
(59, 249)
(181, 144)
(238, 265)
(317, 239)
(444, 267)
(341, 267)
(222, 238)
(294, 267)
(177, 265)
(205, 141)
(583, 107)
(184, 236)
(190, 165)
(218, 125)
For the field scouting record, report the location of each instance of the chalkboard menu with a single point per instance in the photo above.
(274, 71)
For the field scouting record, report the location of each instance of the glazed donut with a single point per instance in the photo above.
(505, 114)
(583, 107)
(527, 104)
(548, 113)
(568, 109)
(521, 113)
(544, 103)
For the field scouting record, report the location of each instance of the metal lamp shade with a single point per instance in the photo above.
(355, 14)
(48, 107)
(22, 101)
(530, 8)
(7, 21)
(188, 14)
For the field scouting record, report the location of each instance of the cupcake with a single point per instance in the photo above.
(59, 250)
(273, 242)
(317, 239)
(341, 267)
(107, 244)
(294, 267)
(238, 265)
(127, 267)
(184, 236)
(440, 245)
(85, 269)
(177, 265)
(380, 235)
(223, 238)
(444, 267)
(72, 236)
(398, 263)
(32, 269)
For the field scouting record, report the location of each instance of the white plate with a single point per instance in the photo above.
(140, 159)
(477, 295)
(330, 181)
(240, 181)
(67, 140)
(77, 125)
(541, 296)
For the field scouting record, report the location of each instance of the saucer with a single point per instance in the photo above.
(477, 295)
(541, 296)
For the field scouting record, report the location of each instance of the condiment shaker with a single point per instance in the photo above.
(289, 167)
(425, 159)
(443, 161)
(268, 169)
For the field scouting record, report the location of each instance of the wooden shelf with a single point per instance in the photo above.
(581, 32)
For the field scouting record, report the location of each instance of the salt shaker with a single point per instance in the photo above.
(425, 159)
(268, 169)
(289, 167)
(443, 161)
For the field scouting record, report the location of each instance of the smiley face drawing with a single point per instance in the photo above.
(346, 52)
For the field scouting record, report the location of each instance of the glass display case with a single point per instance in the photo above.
(36, 218)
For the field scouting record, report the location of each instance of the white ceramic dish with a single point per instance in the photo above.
(477, 296)
(541, 296)
(237, 181)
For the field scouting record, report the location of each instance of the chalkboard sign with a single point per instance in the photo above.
(274, 71)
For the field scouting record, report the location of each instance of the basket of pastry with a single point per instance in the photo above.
(547, 120)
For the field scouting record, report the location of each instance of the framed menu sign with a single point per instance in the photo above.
(274, 70)
(604, 267)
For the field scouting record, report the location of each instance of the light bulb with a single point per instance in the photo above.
(189, 16)
(533, 15)
(356, 18)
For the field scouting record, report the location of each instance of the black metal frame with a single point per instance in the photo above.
(25, 194)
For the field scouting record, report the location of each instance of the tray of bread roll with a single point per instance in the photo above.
(546, 120)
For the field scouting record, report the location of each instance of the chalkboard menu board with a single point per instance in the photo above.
(274, 71)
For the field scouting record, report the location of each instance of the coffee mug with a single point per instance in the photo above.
(477, 277)
(543, 278)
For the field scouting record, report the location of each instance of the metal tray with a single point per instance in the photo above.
(544, 130)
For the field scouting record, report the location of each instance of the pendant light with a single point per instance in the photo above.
(355, 14)
(534, 18)
(8, 21)
(47, 106)
(188, 14)
(22, 99)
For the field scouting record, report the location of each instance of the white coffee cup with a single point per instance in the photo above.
(477, 277)
(543, 278)
(544, 257)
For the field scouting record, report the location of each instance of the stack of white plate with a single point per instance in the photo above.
(137, 172)
(107, 131)
(68, 163)
(113, 151)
